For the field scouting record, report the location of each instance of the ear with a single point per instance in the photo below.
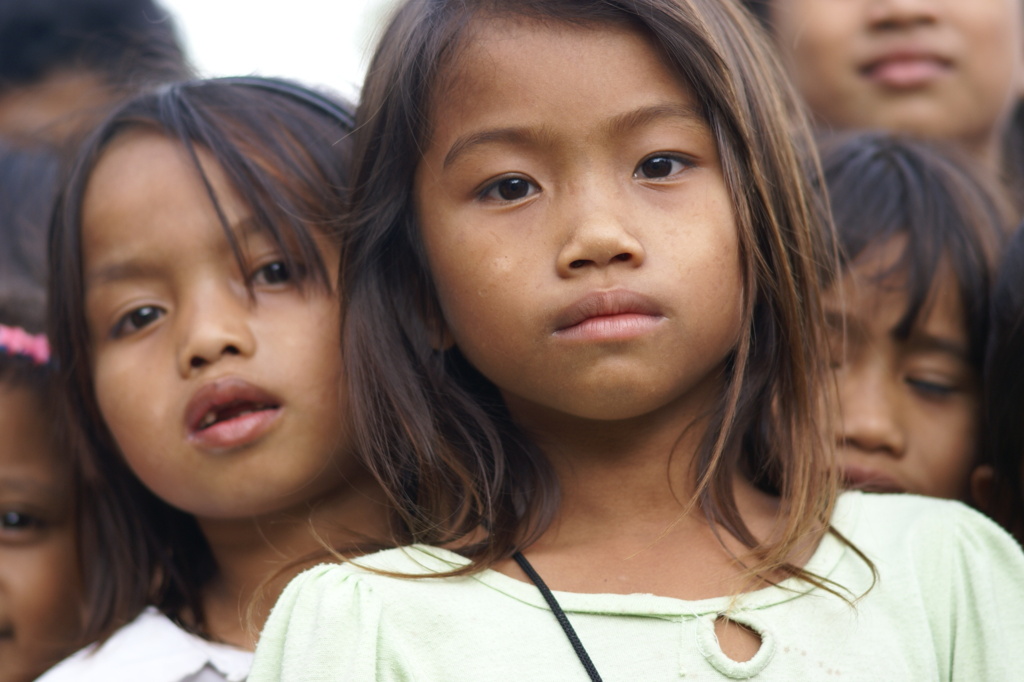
(981, 488)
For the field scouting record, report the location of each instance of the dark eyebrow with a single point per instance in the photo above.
(119, 271)
(19, 485)
(510, 136)
(616, 126)
(656, 112)
(929, 343)
(142, 268)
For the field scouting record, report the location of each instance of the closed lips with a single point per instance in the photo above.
(905, 67)
(605, 304)
(870, 480)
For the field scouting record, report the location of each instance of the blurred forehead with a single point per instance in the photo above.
(27, 448)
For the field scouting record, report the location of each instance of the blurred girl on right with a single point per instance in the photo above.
(918, 233)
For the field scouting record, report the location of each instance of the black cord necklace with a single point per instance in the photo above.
(563, 620)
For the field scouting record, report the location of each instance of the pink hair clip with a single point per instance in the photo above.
(17, 341)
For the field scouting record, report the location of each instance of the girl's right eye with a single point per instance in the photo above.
(662, 166)
(136, 320)
(508, 189)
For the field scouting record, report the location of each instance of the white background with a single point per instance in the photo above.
(318, 42)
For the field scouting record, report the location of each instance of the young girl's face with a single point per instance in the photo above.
(219, 383)
(909, 406)
(577, 224)
(39, 586)
(942, 68)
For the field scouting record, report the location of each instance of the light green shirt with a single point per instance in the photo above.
(948, 605)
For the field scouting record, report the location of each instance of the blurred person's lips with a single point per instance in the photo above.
(906, 67)
(870, 479)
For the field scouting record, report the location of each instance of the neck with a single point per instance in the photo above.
(257, 556)
(629, 486)
(625, 473)
(626, 522)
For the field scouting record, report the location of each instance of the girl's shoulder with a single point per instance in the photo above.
(390, 567)
(379, 578)
(154, 649)
(944, 579)
(926, 546)
(338, 616)
(886, 522)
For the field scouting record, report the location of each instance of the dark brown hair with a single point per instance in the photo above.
(1003, 405)
(285, 150)
(436, 432)
(28, 188)
(885, 185)
(126, 42)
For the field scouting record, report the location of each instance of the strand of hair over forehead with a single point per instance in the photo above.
(191, 126)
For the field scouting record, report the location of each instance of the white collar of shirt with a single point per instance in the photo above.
(154, 649)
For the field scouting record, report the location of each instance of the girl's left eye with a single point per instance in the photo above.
(509, 189)
(932, 388)
(659, 166)
(272, 273)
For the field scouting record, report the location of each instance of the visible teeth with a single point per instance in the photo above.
(212, 417)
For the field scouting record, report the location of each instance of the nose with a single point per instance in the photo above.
(215, 323)
(869, 417)
(901, 14)
(598, 236)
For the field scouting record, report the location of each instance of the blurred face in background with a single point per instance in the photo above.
(908, 402)
(39, 584)
(59, 107)
(946, 69)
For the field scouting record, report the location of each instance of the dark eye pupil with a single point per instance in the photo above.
(657, 167)
(143, 316)
(275, 273)
(13, 520)
(513, 188)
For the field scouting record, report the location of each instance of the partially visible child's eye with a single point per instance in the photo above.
(932, 388)
(276, 272)
(660, 166)
(137, 319)
(14, 522)
(510, 188)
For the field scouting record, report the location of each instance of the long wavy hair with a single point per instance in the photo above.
(437, 433)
